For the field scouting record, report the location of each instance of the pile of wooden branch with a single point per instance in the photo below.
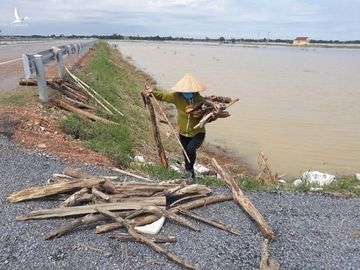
(210, 108)
(78, 97)
(130, 205)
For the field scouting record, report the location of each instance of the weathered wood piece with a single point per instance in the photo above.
(155, 238)
(85, 220)
(189, 189)
(77, 173)
(267, 262)
(52, 189)
(100, 194)
(130, 204)
(156, 132)
(62, 104)
(138, 237)
(244, 202)
(77, 198)
(143, 220)
(211, 222)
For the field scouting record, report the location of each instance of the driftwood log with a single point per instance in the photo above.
(244, 202)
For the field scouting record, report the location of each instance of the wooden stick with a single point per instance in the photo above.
(132, 175)
(170, 125)
(130, 204)
(96, 93)
(151, 218)
(244, 202)
(154, 238)
(156, 132)
(52, 189)
(88, 92)
(212, 222)
(62, 104)
(266, 262)
(138, 237)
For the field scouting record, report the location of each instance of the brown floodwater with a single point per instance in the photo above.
(300, 106)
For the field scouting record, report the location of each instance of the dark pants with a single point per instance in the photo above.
(191, 144)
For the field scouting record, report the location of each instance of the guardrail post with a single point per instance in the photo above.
(40, 74)
(60, 61)
(70, 55)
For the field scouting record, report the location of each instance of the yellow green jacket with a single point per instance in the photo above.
(186, 122)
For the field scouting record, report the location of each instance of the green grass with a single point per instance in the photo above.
(112, 140)
(20, 97)
(157, 171)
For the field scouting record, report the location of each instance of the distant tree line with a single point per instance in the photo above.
(221, 39)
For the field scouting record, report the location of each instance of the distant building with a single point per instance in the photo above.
(299, 41)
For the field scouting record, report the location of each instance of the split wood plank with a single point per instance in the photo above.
(131, 204)
(52, 189)
(244, 202)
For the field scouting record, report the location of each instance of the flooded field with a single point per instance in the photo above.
(299, 106)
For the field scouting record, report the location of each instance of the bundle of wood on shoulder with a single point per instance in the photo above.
(206, 109)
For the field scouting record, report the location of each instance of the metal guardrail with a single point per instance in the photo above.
(35, 63)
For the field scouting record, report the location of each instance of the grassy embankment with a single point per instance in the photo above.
(120, 82)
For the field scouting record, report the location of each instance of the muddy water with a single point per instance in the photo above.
(299, 106)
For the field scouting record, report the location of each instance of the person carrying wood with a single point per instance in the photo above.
(186, 92)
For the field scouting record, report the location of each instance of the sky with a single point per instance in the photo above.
(286, 19)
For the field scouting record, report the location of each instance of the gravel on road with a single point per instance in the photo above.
(313, 231)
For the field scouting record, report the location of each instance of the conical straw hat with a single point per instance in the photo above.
(188, 84)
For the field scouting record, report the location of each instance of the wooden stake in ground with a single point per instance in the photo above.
(156, 132)
(245, 203)
(138, 237)
(266, 262)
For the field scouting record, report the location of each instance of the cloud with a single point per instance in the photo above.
(190, 17)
